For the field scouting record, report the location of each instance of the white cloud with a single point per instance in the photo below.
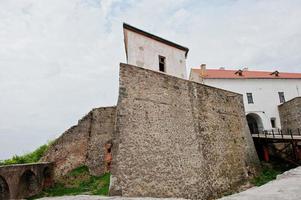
(59, 58)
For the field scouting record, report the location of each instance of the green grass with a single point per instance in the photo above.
(27, 158)
(79, 181)
(267, 174)
(270, 171)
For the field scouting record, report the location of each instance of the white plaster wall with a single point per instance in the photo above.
(144, 52)
(265, 94)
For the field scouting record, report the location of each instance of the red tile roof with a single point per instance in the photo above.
(246, 74)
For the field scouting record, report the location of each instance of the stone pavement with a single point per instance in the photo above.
(287, 186)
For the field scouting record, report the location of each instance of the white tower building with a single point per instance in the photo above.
(152, 52)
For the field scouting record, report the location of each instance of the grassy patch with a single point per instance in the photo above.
(79, 181)
(270, 171)
(32, 157)
(267, 174)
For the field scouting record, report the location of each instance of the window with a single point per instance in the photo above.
(273, 122)
(250, 98)
(281, 97)
(161, 63)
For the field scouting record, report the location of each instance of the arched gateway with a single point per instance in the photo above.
(255, 123)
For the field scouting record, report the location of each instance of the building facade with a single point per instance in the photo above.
(152, 52)
(262, 92)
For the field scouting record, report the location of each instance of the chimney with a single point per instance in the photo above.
(239, 72)
(203, 72)
(276, 73)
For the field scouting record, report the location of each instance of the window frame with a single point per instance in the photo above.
(250, 98)
(162, 62)
(281, 97)
(273, 122)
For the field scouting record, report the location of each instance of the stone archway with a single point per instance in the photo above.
(254, 123)
(47, 177)
(4, 189)
(28, 184)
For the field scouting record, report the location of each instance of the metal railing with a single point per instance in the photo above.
(279, 134)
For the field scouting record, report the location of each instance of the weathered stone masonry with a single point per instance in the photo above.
(24, 180)
(177, 138)
(290, 115)
(84, 144)
(170, 137)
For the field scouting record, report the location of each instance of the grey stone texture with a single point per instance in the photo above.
(25, 180)
(83, 144)
(177, 138)
(290, 114)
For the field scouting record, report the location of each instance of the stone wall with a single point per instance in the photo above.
(24, 180)
(177, 138)
(83, 144)
(290, 115)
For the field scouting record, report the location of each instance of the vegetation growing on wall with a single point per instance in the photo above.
(79, 181)
(27, 158)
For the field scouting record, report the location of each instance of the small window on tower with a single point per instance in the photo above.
(273, 122)
(250, 98)
(161, 63)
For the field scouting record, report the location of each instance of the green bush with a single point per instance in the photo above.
(32, 157)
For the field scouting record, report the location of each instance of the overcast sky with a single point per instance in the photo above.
(59, 58)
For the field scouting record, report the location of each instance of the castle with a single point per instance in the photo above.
(167, 136)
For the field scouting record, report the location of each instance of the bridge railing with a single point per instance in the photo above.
(279, 134)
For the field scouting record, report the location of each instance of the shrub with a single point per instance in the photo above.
(32, 157)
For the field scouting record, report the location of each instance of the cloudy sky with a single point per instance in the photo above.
(59, 58)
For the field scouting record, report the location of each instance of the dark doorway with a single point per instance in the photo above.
(254, 123)
(256, 127)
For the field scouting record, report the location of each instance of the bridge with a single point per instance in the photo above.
(290, 140)
(24, 180)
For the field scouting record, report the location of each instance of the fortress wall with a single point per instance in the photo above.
(83, 144)
(102, 128)
(177, 138)
(290, 115)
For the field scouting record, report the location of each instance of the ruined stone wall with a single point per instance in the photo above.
(177, 138)
(84, 143)
(24, 180)
(290, 115)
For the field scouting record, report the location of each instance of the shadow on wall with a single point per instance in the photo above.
(4, 189)
(28, 184)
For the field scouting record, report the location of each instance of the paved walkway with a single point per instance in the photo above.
(287, 186)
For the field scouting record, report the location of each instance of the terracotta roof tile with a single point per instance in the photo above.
(230, 74)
